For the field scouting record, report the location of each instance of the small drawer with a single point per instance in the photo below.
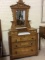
(26, 38)
(15, 39)
(32, 37)
(16, 45)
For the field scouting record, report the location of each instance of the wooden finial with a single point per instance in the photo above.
(20, 1)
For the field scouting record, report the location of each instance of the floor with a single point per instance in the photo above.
(41, 54)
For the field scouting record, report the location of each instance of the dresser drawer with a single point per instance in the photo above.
(23, 44)
(26, 50)
(15, 39)
(23, 38)
(28, 37)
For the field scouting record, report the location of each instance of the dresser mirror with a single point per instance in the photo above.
(20, 17)
(20, 14)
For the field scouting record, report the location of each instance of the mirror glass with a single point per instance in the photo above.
(20, 17)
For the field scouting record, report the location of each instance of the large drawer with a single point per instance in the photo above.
(21, 51)
(24, 44)
(23, 38)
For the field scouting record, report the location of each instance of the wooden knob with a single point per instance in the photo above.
(16, 52)
(32, 38)
(16, 45)
(31, 43)
(31, 49)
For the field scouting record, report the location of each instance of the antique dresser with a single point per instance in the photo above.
(41, 34)
(23, 39)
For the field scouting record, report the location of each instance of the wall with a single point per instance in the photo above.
(6, 17)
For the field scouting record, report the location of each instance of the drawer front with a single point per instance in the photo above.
(15, 39)
(21, 51)
(24, 44)
(23, 38)
(26, 38)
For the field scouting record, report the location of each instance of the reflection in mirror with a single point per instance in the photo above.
(20, 17)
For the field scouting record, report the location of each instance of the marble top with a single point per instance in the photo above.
(24, 33)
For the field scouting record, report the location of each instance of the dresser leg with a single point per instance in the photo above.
(39, 43)
(11, 58)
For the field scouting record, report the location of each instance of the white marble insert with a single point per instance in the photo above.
(23, 33)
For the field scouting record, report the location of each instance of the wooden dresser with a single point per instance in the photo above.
(41, 34)
(23, 39)
(23, 45)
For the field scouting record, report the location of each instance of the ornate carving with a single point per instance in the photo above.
(20, 1)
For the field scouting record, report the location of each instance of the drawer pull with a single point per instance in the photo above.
(31, 49)
(16, 45)
(31, 43)
(32, 38)
(16, 52)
